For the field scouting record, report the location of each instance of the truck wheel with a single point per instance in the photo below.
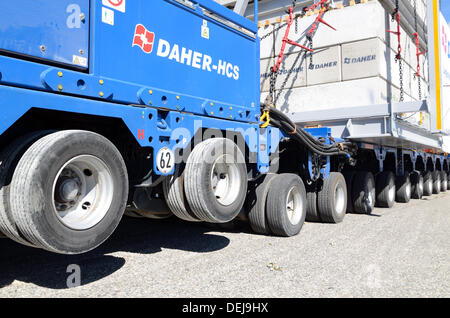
(215, 180)
(332, 199)
(363, 192)
(69, 191)
(312, 212)
(286, 205)
(436, 182)
(173, 187)
(416, 185)
(444, 181)
(427, 184)
(403, 186)
(386, 189)
(256, 203)
(9, 158)
(448, 180)
(349, 177)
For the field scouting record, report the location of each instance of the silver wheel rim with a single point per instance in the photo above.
(82, 192)
(226, 180)
(430, 186)
(408, 190)
(391, 193)
(339, 196)
(371, 199)
(294, 206)
(420, 187)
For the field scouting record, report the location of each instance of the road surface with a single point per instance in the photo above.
(401, 252)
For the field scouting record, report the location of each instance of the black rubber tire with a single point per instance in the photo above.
(448, 180)
(444, 181)
(427, 183)
(416, 185)
(327, 201)
(256, 203)
(9, 159)
(349, 177)
(31, 193)
(312, 212)
(173, 187)
(363, 192)
(385, 186)
(403, 189)
(276, 209)
(436, 182)
(198, 183)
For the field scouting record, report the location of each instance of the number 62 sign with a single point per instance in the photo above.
(165, 160)
(115, 4)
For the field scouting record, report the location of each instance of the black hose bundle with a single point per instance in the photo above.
(281, 121)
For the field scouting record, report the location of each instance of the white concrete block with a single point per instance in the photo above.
(267, 45)
(325, 67)
(266, 64)
(369, 91)
(292, 72)
(362, 21)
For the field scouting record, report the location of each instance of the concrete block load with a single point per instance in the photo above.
(354, 65)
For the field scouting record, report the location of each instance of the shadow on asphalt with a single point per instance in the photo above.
(143, 236)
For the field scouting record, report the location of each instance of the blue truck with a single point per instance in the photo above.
(148, 106)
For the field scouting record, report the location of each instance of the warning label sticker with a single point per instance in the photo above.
(108, 16)
(119, 5)
(80, 61)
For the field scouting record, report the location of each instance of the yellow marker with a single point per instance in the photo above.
(60, 74)
(438, 64)
(150, 92)
(101, 94)
(101, 82)
(60, 87)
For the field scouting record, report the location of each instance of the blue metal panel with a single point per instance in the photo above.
(220, 67)
(49, 30)
(175, 130)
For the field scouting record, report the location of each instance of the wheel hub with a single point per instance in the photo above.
(83, 192)
(225, 180)
(67, 190)
(294, 206)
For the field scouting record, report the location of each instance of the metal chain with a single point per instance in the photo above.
(417, 76)
(311, 64)
(400, 69)
(420, 87)
(398, 58)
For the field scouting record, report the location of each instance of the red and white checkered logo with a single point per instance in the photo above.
(144, 38)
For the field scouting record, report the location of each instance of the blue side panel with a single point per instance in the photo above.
(185, 52)
(57, 31)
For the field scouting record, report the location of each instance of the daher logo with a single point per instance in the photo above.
(143, 38)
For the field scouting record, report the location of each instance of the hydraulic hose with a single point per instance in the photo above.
(281, 121)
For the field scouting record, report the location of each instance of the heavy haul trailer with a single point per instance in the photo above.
(114, 104)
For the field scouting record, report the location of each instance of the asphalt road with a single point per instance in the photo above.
(401, 252)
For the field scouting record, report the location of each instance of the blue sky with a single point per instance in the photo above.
(445, 8)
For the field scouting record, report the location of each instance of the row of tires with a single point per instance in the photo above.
(329, 201)
(66, 191)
